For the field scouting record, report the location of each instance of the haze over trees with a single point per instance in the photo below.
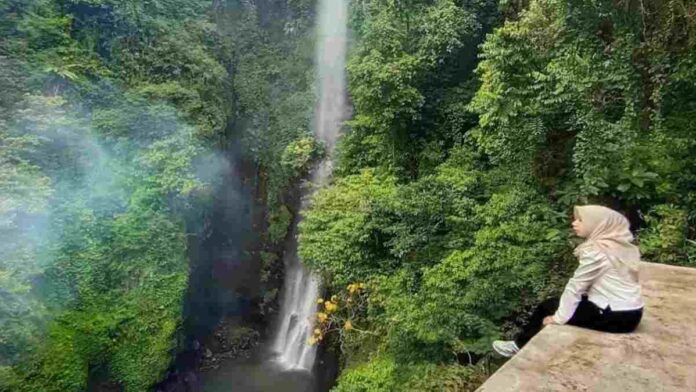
(476, 126)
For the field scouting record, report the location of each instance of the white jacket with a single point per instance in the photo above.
(604, 285)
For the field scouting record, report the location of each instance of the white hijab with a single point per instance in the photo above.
(610, 234)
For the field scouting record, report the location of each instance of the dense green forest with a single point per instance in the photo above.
(115, 119)
(476, 126)
(107, 108)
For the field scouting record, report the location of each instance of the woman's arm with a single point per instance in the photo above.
(592, 266)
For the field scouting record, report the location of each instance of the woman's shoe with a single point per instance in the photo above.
(506, 348)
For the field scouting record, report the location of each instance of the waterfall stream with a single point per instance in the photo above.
(301, 287)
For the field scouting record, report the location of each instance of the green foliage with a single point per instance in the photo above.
(99, 166)
(665, 239)
(571, 102)
(447, 378)
(273, 88)
(452, 254)
(451, 189)
(138, 360)
(393, 76)
(110, 254)
(566, 93)
(299, 155)
(25, 190)
(597, 108)
(383, 374)
(279, 224)
(269, 46)
(457, 304)
(107, 110)
(339, 235)
(378, 375)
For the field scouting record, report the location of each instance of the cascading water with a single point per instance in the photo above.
(301, 287)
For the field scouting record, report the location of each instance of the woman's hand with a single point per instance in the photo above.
(549, 320)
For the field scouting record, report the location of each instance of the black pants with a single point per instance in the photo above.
(587, 315)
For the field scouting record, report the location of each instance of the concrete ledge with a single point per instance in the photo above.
(659, 356)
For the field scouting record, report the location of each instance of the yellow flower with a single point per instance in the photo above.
(321, 316)
(334, 299)
(317, 331)
(330, 307)
(312, 341)
(320, 301)
(348, 325)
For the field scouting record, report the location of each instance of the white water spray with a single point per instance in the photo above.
(301, 288)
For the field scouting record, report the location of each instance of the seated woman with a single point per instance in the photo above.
(604, 292)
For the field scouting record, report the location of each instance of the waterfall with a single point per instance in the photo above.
(301, 287)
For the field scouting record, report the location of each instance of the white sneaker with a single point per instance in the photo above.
(506, 348)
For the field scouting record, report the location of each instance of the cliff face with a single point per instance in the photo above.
(236, 266)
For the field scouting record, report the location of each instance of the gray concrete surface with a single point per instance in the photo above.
(659, 356)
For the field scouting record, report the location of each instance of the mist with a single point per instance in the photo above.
(96, 208)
